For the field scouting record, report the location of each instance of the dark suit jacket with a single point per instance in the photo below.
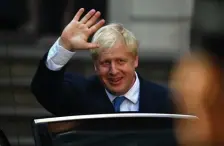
(64, 94)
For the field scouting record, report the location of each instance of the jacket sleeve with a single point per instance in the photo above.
(58, 92)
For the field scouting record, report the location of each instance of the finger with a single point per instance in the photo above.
(93, 19)
(78, 14)
(88, 16)
(97, 26)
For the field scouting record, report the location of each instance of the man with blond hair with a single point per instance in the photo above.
(116, 87)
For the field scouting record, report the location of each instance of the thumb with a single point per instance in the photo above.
(92, 45)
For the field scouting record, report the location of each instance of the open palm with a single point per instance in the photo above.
(76, 33)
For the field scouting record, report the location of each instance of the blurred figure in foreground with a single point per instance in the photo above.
(198, 81)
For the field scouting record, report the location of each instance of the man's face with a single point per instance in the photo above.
(116, 68)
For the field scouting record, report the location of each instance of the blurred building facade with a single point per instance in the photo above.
(163, 28)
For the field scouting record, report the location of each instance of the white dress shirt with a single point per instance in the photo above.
(132, 101)
(59, 56)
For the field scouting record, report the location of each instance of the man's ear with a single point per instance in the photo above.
(95, 67)
(136, 61)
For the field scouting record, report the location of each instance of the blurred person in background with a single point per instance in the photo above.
(198, 79)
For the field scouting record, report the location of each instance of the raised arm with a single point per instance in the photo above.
(55, 90)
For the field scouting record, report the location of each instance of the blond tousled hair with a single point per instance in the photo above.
(110, 34)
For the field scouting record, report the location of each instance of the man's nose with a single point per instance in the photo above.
(113, 69)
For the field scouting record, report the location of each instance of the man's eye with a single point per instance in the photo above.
(121, 61)
(105, 63)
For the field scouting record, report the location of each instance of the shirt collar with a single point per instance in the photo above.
(132, 94)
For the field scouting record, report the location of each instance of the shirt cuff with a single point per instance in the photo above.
(58, 56)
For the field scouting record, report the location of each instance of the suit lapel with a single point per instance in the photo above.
(101, 101)
(146, 101)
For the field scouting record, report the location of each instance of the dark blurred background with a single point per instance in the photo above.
(166, 30)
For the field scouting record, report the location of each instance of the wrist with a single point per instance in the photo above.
(65, 44)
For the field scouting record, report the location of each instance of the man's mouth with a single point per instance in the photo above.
(115, 81)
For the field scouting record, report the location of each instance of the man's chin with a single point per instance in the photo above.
(116, 91)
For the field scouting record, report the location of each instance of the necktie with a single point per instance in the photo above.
(117, 103)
